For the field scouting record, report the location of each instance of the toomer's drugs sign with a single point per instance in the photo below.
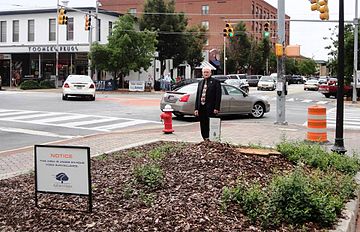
(62, 169)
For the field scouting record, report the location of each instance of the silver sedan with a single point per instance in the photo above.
(234, 101)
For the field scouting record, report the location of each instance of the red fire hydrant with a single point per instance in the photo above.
(166, 116)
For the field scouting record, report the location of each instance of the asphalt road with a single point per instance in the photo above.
(32, 117)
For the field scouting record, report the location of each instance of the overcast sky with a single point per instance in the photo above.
(308, 35)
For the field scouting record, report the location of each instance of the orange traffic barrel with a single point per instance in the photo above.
(317, 124)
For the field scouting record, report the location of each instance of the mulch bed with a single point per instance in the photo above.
(187, 200)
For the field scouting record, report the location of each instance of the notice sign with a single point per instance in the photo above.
(215, 129)
(62, 169)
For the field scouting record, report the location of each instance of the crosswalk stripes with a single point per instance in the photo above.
(69, 120)
(351, 118)
(302, 101)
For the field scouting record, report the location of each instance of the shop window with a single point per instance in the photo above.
(98, 28)
(3, 31)
(52, 29)
(70, 29)
(15, 31)
(205, 10)
(31, 30)
(110, 28)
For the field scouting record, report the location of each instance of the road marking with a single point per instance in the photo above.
(122, 125)
(81, 123)
(16, 113)
(35, 132)
(59, 119)
(290, 100)
(32, 116)
(306, 101)
(322, 102)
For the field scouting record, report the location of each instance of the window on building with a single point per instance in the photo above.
(2, 31)
(98, 28)
(132, 11)
(253, 8)
(15, 31)
(205, 24)
(52, 29)
(31, 30)
(205, 10)
(110, 28)
(70, 29)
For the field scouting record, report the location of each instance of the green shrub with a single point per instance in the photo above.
(47, 84)
(295, 199)
(29, 84)
(149, 175)
(315, 156)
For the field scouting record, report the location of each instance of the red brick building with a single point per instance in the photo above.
(214, 14)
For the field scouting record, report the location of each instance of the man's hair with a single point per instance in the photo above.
(206, 68)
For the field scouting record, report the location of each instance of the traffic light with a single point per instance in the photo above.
(62, 18)
(228, 30)
(87, 22)
(266, 29)
(324, 10)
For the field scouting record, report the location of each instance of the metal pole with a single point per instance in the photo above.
(57, 46)
(90, 42)
(339, 140)
(39, 66)
(224, 55)
(281, 85)
(356, 35)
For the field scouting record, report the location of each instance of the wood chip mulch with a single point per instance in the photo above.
(187, 200)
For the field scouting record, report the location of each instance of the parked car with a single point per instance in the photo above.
(78, 86)
(253, 80)
(311, 85)
(221, 78)
(267, 83)
(233, 101)
(185, 82)
(330, 88)
(238, 80)
(296, 79)
(323, 80)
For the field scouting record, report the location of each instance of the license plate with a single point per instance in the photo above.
(78, 87)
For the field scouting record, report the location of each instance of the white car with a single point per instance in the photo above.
(78, 86)
(266, 83)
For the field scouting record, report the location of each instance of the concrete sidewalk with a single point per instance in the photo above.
(19, 161)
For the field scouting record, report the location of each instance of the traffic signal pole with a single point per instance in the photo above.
(281, 83)
(339, 138)
(57, 45)
(356, 35)
(224, 55)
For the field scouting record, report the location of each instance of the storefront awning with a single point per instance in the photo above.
(206, 64)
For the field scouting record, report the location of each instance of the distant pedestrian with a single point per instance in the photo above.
(167, 80)
(208, 100)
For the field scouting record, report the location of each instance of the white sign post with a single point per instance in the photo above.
(63, 170)
(215, 129)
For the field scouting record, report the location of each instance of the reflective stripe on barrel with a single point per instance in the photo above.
(317, 124)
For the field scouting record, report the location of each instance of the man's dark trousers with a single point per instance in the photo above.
(204, 118)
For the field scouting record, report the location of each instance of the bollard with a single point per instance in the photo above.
(317, 124)
(166, 116)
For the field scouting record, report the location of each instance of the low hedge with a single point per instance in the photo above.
(29, 84)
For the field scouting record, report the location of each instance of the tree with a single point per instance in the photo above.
(127, 50)
(348, 52)
(160, 16)
(239, 49)
(307, 67)
(196, 39)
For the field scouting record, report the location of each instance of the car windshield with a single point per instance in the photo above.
(85, 79)
(266, 78)
(188, 88)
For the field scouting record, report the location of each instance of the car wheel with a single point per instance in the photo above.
(258, 88)
(64, 97)
(258, 110)
(92, 98)
(327, 95)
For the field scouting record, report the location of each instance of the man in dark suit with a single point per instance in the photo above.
(208, 99)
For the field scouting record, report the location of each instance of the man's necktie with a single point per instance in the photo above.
(203, 94)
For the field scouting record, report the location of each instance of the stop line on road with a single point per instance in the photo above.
(70, 120)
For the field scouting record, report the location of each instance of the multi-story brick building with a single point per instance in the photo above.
(214, 14)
